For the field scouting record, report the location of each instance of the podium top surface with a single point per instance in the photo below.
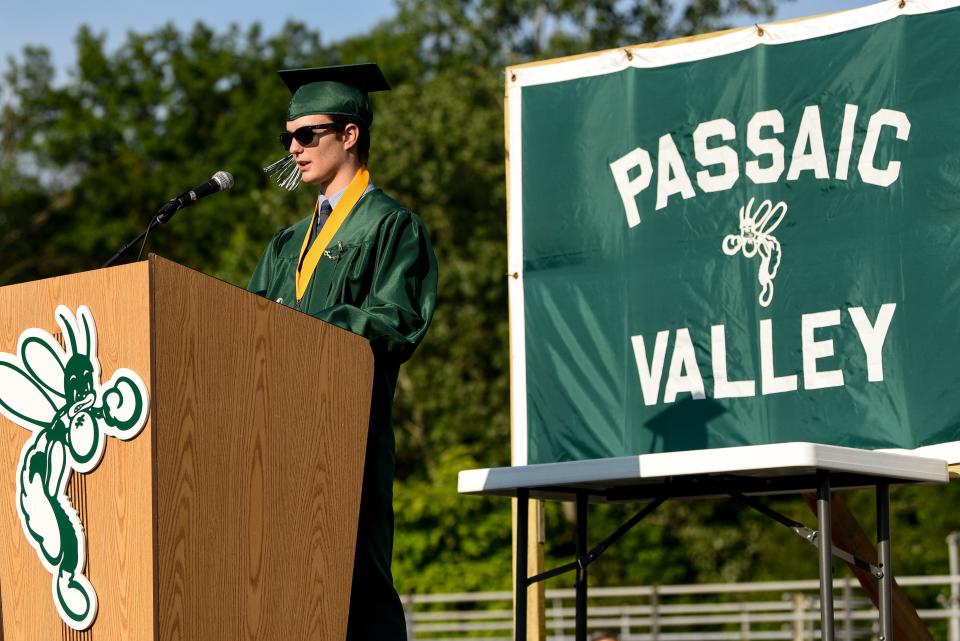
(753, 469)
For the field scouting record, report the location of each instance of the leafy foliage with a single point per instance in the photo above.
(132, 128)
(499, 32)
(85, 162)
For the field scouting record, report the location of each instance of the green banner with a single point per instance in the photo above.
(745, 239)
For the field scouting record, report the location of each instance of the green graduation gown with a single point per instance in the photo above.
(383, 287)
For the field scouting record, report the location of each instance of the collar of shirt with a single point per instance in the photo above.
(334, 199)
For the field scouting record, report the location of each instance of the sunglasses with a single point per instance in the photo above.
(306, 135)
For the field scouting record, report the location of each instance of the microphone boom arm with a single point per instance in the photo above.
(221, 181)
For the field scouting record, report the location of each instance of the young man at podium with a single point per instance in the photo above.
(363, 262)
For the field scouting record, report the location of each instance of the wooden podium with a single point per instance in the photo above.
(232, 515)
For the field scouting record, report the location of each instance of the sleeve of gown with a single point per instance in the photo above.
(260, 280)
(403, 291)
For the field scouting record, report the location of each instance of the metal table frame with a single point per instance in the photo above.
(731, 472)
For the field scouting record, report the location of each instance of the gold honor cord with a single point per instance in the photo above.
(306, 266)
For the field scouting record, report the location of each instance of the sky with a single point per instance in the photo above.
(54, 23)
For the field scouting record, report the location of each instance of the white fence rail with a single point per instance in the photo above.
(736, 611)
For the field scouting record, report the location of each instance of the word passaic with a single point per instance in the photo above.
(720, 164)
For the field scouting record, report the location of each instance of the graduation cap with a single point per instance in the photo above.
(336, 91)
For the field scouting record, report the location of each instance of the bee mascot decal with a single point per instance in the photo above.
(58, 396)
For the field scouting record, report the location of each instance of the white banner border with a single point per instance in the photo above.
(648, 56)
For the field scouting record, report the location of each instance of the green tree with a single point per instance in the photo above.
(85, 162)
(494, 33)
(130, 129)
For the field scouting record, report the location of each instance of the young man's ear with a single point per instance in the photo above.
(351, 135)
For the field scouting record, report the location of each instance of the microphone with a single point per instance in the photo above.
(221, 181)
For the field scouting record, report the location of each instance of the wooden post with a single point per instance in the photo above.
(799, 620)
(536, 621)
(654, 613)
(536, 595)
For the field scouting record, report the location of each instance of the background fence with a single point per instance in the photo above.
(735, 611)
(705, 612)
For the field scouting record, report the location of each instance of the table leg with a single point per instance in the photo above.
(826, 556)
(883, 551)
(520, 597)
(581, 586)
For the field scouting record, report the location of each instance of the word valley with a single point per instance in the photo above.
(685, 376)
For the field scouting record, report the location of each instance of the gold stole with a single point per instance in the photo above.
(307, 265)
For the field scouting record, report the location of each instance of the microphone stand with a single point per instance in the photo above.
(162, 216)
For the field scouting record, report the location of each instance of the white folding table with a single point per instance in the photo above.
(737, 472)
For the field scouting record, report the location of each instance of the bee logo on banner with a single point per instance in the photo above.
(58, 396)
(756, 237)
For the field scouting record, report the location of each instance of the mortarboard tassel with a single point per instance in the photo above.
(284, 172)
